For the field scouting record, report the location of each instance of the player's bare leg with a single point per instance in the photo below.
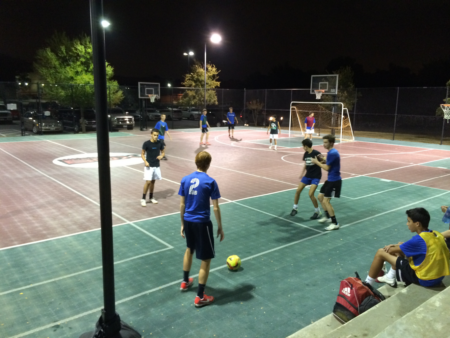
(201, 138)
(270, 141)
(187, 263)
(207, 137)
(144, 193)
(275, 143)
(202, 299)
(152, 187)
(317, 212)
(329, 211)
(300, 188)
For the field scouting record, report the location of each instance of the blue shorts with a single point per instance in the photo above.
(199, 238)
(310, 181)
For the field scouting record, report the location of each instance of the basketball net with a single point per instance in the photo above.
(152, 97)
(319, 93)
(446, 109)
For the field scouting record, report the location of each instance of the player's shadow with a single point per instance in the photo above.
(239, 293)
(235, 139)
(199, 149)
(164, 193)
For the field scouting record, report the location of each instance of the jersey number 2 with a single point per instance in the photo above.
(195, 182)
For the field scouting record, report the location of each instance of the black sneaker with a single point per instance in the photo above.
(316, 215)
(294, 212)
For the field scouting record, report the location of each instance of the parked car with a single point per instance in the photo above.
(120, 119)
(5, 114)
(172, 113)
(70, 119)
(191, 113)
(44, 122)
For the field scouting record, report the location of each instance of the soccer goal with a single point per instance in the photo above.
(330, 118)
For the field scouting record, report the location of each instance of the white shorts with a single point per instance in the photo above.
(273, 136)
(310, 131)
(152, 174)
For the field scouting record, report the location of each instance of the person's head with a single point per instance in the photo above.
(203, 160)
(418, 219)
(307, 144)
(204, 111)
(328, 141)
(231, 109)
(163, 117)
(311, 114)
(154, 135)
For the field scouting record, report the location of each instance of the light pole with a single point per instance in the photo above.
(189, 54)
(215, 38)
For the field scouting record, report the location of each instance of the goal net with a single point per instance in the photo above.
(330, 118)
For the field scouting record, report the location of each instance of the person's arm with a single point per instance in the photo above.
(446, 234)
(268, 128)
(303, 171)
(162, 154)
(394, 249)
(218, 219)
(314, 123)
(144, 159)
(167, 132)
(279, 128)
(236, 120)
(201, 122)
(182, 209)
(324, 166)
(207, 123)
(444, 209)
(228, 119)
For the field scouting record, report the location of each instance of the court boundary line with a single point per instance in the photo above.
(87, 198)
(400, 145)
(65, 320)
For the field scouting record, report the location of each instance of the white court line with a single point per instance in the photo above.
(216, 138)
(80, 272)
(65, 320)
(399, 145)
(87, 198)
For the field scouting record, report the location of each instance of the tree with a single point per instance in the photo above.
(256, 108)
(346, 89)
(67, 70)
(195, 96)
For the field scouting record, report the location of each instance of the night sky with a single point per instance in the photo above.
(148, 37)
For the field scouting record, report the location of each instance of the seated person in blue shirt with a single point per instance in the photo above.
(196, 191)
(423, 260)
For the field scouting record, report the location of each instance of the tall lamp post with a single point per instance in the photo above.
(189, 54)
(215, 38)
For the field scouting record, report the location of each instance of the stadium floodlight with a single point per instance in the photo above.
(105, 23)
(215, 38)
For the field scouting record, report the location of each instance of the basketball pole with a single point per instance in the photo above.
(443, 120)
(109, 324)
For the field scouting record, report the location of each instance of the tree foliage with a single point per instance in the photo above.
(195, 81)
(66, 68)
(256, 108)
(346, 88)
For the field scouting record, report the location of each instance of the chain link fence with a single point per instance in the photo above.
(392, 113)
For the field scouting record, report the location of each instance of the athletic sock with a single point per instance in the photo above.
(327, 214)
(370, 280)
(186, 276)
(295, 206)
(151, 195)
(143, 196)
(391, 274)
(333, 220)
(317, 210)
(201, 290)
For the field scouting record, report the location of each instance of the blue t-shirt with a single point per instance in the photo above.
(198, 188)
(231, 117)
(162, 128)
(334, 161)
(204, 120)
(417, 249)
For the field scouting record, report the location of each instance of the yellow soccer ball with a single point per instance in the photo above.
(233, 262)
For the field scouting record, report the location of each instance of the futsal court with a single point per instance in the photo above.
(50, 256)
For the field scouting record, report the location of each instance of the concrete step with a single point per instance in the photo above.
(378, 318)
(428, 320)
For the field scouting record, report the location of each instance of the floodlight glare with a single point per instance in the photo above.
(191, 53)
(105, 23)
(169, 85)
(185, 53)
(216, 38)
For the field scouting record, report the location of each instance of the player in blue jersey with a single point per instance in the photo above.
(163, 129)
(332, 186)
(204, 125)
(232, 119)
(196, 190)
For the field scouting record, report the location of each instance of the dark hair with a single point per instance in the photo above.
(230, 107)
(154, 131)
(420, 215)
(307, 142)
(204, 110)
(330, 138)
(203, 160)
(163, 114)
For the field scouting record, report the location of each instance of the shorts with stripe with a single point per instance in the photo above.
(199, 238)
(405, 273)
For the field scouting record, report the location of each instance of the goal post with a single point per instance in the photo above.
(330, 118)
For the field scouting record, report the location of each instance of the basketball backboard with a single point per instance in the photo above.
(147, 88)
(328, 83)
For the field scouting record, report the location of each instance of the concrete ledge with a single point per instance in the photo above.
(318, 329)
(378, 318)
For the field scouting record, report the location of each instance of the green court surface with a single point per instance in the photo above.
(290, 272)
(445, 163)
(287, 142)
(58, 137)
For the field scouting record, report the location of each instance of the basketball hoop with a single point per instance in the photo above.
(446, 109)
(152, 97)
(319, 93)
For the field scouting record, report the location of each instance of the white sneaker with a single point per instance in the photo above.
(389, 281)
(270, 147)
(332, 226)
(143, 203)
(324, 219)
(154, 201)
